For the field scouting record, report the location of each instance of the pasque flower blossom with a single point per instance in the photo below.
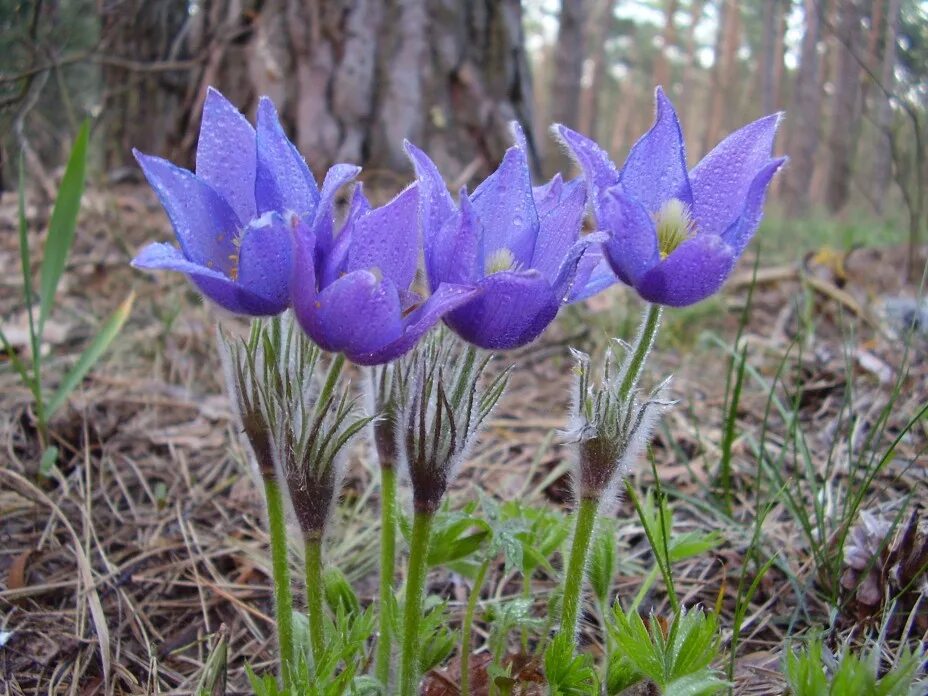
(233, 217)
(519, 246)
(676, 235)
(351, 291)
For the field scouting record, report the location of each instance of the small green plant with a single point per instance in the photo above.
(816, 672)
(39, 306)
(677, 658)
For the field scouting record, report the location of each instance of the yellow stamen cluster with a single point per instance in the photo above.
(233, 258)
(500, 260)
(674, 226)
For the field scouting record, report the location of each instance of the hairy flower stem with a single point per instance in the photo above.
(387, 565)
(415, 589)
(576, 565)
(281, 574)
(314, 590)
(647, 332)
(466, 628)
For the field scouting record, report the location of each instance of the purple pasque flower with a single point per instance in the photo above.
(519, 246)
(675, 235)
(351, 291)
(233, 218)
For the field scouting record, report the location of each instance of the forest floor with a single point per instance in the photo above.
(149, 535)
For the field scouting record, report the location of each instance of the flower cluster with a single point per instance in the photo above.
(257, 235)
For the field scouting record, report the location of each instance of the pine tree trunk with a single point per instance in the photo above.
(846, 104)
(688, 90)
(883, 151)
(722, 94)
(661, 74)
(351, 78)
(600, 22)
(566, 77)
(805, 123)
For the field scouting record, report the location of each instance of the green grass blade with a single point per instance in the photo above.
(63, 223)
(93, 352)
(26, 263)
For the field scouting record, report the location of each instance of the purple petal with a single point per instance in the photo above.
(387, 238)
(632, 247)
(655, 170)
(454, 255)
(506, 208)
(594, 162)
(303, 281)
(283, 182)
(358, 313)
(205, 225)
(594, 274)
(512, 309)
(435, 201)
(693, 271)
(446, 298)
(518, 135)
(226, 154)
(265, 262)
(567, 273)
(742, 229)
(548, 195)
(721, 180)
(559, 229)
(324, 218)
(359, 204)
(214, 285)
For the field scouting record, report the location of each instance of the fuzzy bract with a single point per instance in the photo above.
(675, 235)
(519, 246)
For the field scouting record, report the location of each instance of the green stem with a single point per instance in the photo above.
(466, 629)
(576, 565)
(643, 343)
(314, 591)
(387, 565)
(415, 588)
(283, 599)
(526, 594)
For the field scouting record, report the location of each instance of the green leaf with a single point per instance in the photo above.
(91, 354)
(49, 459)
(26, 264)
(697, 684)
(339, 593)
(602, 561)
(62, 225)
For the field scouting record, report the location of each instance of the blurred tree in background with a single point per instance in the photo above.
(352, 78)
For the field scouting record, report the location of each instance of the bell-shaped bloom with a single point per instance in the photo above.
(675, 235)
(233, 218)
(351, 290)
(519, 246)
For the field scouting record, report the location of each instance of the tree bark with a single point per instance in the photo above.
(351, 78)
(846, 104)
(773, 19)
(662, 74)
(806, 121)
(687, 88)
(566, 77)
(883, 117)
(726, 52)
(600, 22)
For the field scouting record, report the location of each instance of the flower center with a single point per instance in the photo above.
(674, 226)
(500, 260)
(233, 258)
